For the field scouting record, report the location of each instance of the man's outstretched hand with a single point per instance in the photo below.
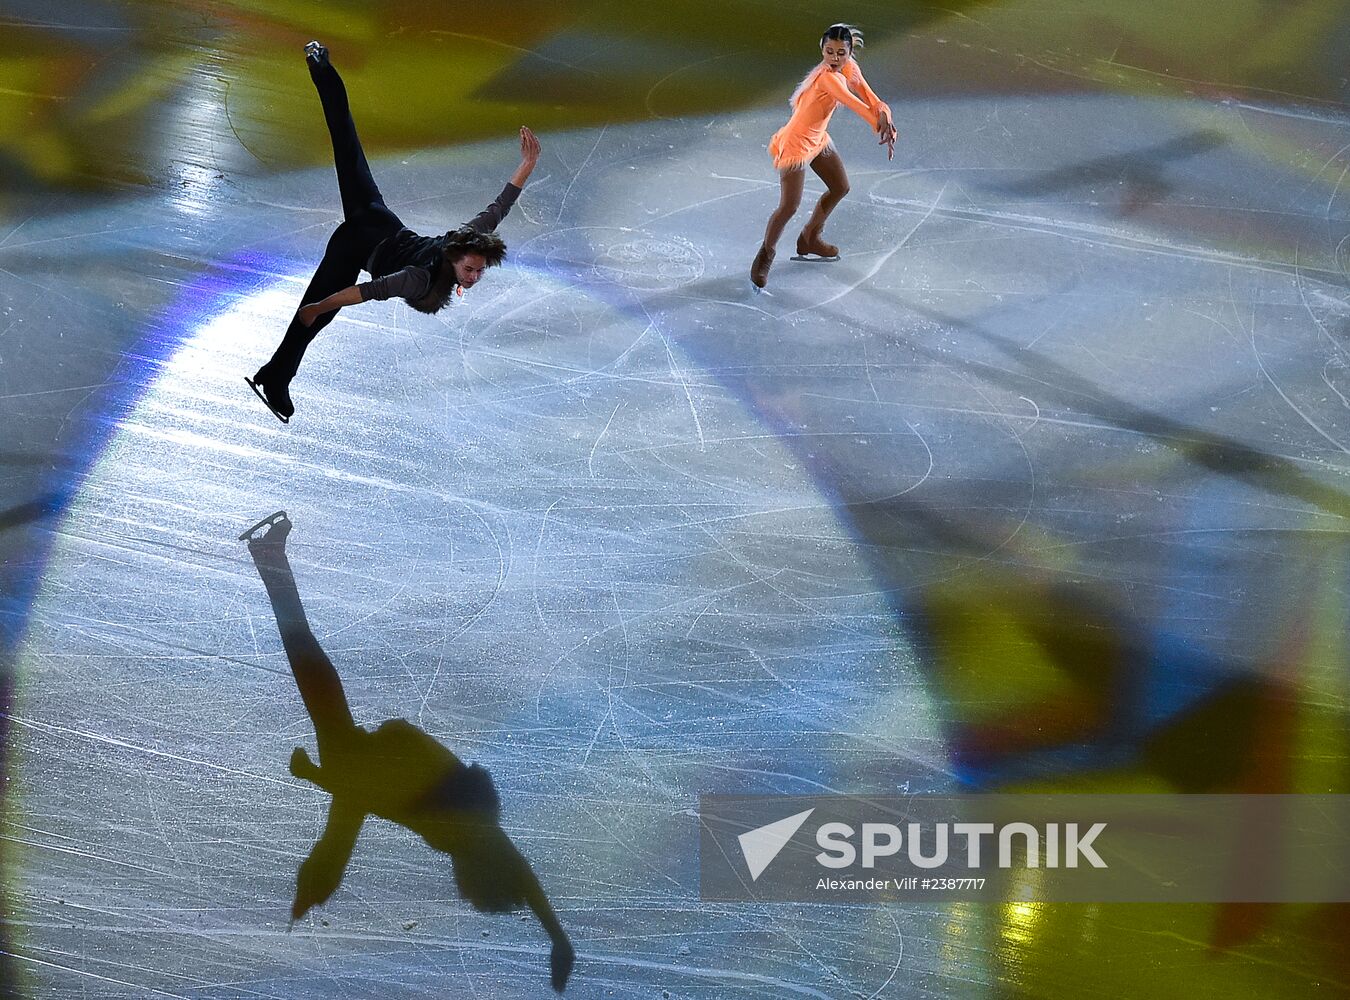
(560, 963)
(529, 146)
(529, 156)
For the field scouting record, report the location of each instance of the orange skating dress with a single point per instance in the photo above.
(799, 141)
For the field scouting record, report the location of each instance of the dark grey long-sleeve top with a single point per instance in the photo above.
(412, 281)
(409, 283)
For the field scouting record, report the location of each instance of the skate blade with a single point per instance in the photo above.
(259, 393)
(267, 522)
(812, 259)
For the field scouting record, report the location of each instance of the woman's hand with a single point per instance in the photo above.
(309, 313)
(886, 130)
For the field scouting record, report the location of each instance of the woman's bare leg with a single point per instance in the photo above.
(829, 167)
(791, 183)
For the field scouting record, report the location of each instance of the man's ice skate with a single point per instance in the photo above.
(275, 396)
(810, 247)
(271, 530)
(316, 53)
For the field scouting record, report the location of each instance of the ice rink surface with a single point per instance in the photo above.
(1042, 486)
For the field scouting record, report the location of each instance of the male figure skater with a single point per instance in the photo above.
(395, 771)
(425, 271)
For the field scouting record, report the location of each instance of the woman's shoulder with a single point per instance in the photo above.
(833, 83)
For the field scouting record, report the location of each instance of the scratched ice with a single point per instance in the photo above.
(625, 534)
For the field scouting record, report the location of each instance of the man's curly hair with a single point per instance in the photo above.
(459, 242)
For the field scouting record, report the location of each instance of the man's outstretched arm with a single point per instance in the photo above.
(491, 217)
(409, 283)
(562, 956)
(349, 296)
(529, 156)
(321, 873)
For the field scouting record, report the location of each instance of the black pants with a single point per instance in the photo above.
(315, 676)
(367, 221)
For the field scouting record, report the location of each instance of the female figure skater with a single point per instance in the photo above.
(424, 270)
(395, 771)
(803, 140)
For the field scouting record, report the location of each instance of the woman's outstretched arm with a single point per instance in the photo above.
(878, 116)
(859, 83)
(834, 85)
(885, 125)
